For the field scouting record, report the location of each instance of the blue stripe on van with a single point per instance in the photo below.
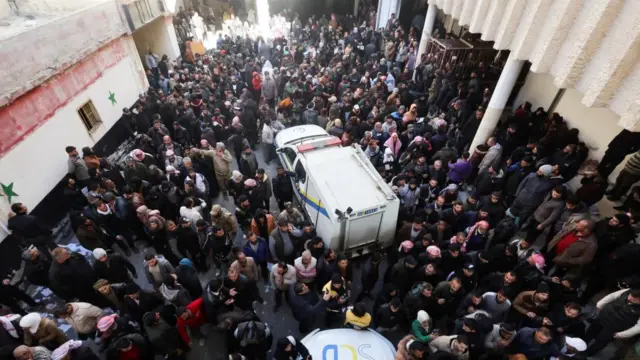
(315, 204)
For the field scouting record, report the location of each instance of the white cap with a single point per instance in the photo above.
(576, 343)
(99, 252)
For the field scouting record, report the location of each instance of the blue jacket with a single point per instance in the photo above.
(261, 255)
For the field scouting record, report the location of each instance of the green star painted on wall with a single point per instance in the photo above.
(112, 98)
(8, 191)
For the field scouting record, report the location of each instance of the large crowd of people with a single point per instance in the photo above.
(495, 257)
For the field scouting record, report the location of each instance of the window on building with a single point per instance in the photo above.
(89, 116)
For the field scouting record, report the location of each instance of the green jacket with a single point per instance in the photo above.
(419, 332)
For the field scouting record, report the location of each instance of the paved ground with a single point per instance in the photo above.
(282, 323)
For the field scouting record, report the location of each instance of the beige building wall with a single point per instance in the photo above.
(597, 125)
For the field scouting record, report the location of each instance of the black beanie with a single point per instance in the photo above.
(543, 287)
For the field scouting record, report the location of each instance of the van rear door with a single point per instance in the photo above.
(363, 229)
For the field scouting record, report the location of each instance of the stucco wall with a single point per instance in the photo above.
(31, 57)
(37, 163)
(538, 89)
(597, 125)
(158, 35)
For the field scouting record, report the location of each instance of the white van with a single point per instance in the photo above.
(352, 208)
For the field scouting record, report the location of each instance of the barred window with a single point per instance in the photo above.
(89, 116)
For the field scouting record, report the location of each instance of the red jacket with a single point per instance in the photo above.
(197, 319)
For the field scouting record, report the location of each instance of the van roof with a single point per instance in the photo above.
(298, 134)
(349, 183)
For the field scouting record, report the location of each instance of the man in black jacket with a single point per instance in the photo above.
(138, 302)
(114, 267)
(116, 229)
(305, 305)
(71, 276)
(30, 228)
(10, 295)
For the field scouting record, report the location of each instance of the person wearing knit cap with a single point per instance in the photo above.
(403, 272)
(138, 301)
(113, 267)
(531, 306)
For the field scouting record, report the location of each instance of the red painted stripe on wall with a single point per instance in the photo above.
(30, 111)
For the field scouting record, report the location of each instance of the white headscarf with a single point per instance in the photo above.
(31, 322)
(8, 326)
(63, 350)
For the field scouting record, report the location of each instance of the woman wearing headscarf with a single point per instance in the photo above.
(188, 277)
(263, 224)
(422, 327)
(41, 331)
(394, 144)
(290, 348)
(236, 184)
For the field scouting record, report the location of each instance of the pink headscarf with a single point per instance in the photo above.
(406, 245)
(106, 321)
(393, 145)
(433, 250)
(538, 260)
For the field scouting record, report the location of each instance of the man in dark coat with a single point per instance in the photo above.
(36, 268)
(282, 188)
(10, 296)
(30, 228)
(113, 267)
(138, 302)
(71, 276)
(305, 305)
